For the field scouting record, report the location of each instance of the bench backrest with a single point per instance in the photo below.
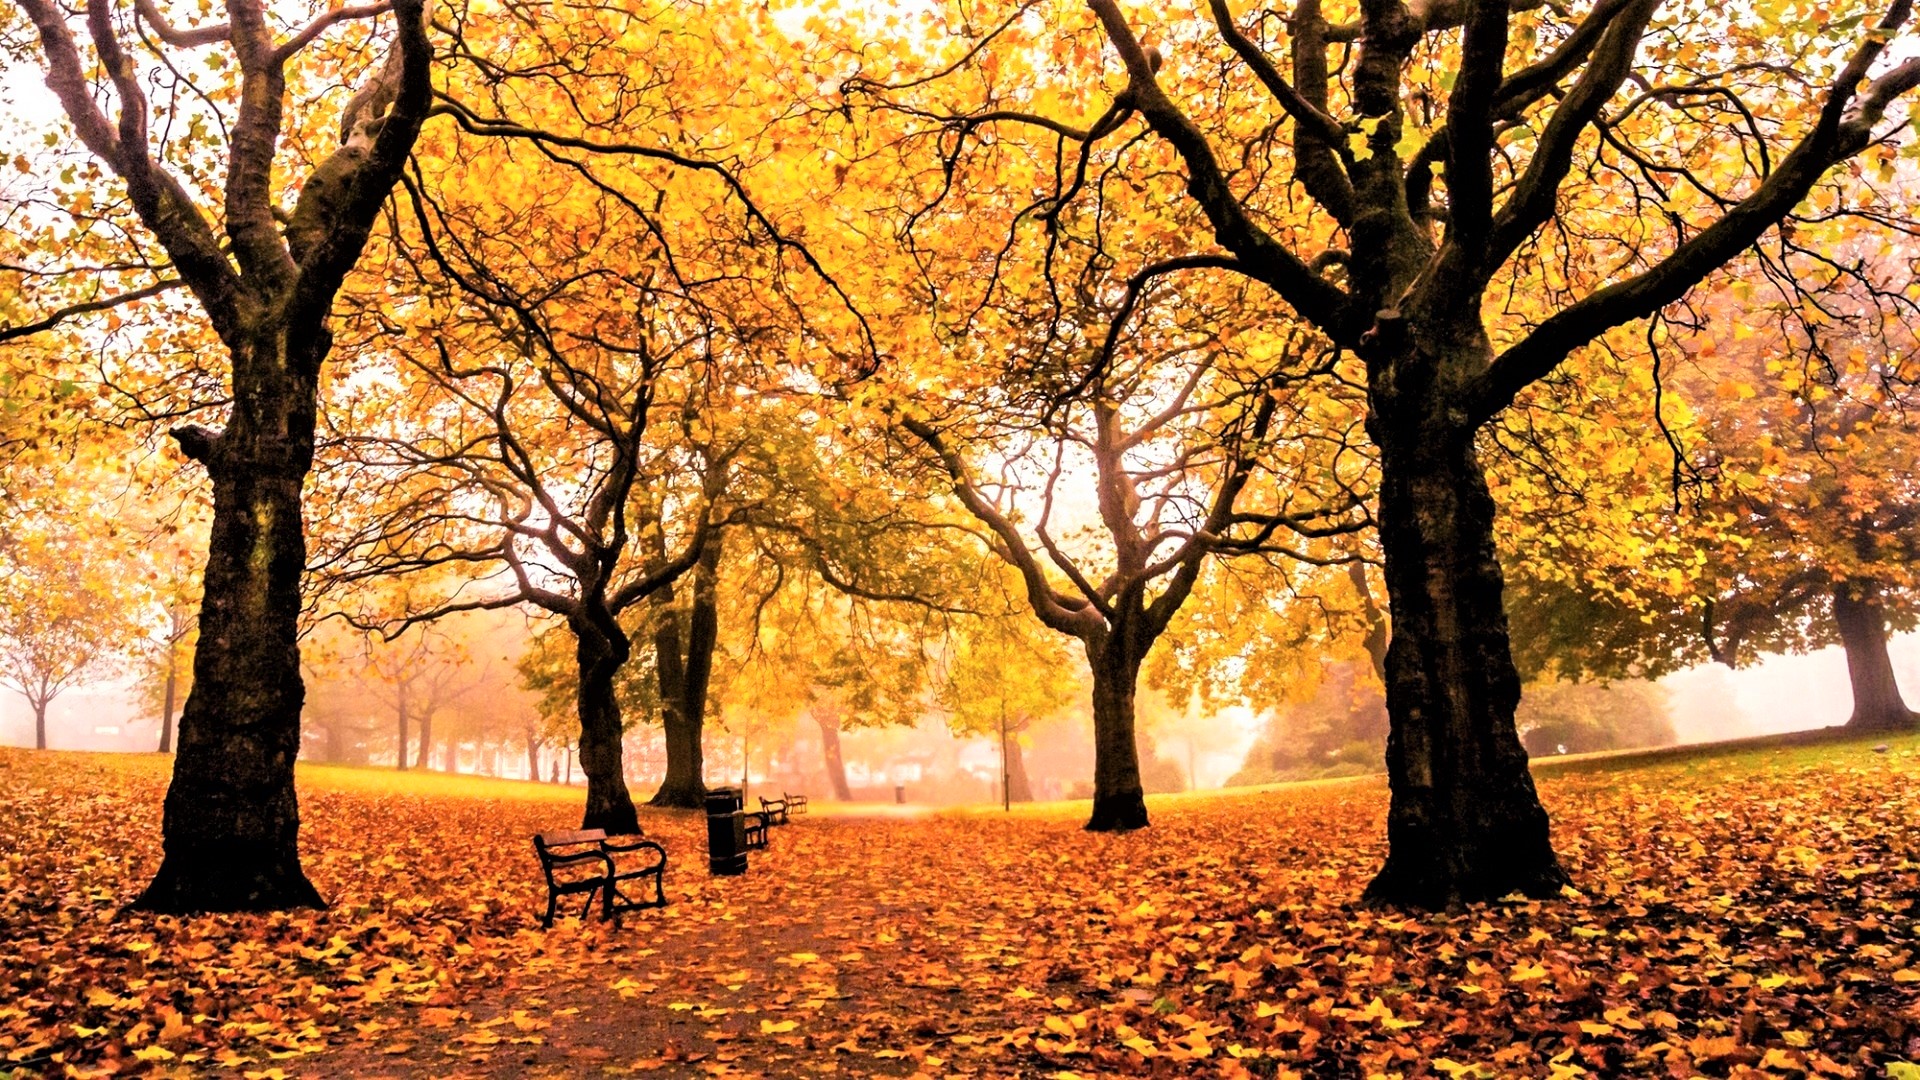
(569, 839)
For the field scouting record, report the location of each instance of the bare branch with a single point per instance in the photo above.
(9, 333)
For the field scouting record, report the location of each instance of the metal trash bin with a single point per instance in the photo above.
(726, 832)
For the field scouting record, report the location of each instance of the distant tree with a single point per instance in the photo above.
(1581, 718)
(1339, 728)
(1768, 506)
(1002, 678)
(61, 621)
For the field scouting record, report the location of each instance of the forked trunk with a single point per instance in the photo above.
(1119, 803)
(1019, 788)
(1465, 822)
(1877, 704)
(232, 821)
(602, 649)
(829, 722)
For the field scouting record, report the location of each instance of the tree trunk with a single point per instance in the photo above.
(533, 755)
(1118, 802)
(231, 824)
(424, 758)
(684, 677)
(1465, 823)
(829, 722)
(173, 686)
(405, 733)
(1877, 704)
(39, 725)
(1019, 788)
(602, 647)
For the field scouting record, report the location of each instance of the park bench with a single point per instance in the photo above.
(583, 862)
(796, 804)
(774, 810)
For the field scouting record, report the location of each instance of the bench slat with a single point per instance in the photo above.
(576, 836)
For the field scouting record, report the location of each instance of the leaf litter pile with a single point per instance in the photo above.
(1751, 915)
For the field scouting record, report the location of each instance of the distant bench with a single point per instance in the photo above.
(583, 862)
(779, 811)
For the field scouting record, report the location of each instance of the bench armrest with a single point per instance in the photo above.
(612, 849)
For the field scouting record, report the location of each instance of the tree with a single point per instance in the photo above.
(1173, 425)
(1446, 248)
(1581, 718)
(1002, 678)
(1769, 508)
(61, 624)
(266, 289)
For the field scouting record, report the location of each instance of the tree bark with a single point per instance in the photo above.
(232, 819)
(829, 722)
(1019, 788)
(602, 647)
(1877, 704)
(405, 732)
(39, 725)
(533, 755)
(684, 676)
(1465, 823)
(424, 758)
(173, 686)
(1118, 800)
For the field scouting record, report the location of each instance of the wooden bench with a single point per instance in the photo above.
(796, 804)
(583, 862)
(756, 828)
(774, 810)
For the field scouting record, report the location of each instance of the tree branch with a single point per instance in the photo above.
(1845, 128)
(1266, 259)
(9, 333)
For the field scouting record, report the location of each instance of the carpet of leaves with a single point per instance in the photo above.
(1737, 916)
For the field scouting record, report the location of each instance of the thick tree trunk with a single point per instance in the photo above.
(829, 722)
(1019, 788)
(684, 677)
(1877, 704)
(173, 687)
(1465, 822)
(231, 822)
(602, 649)
(1118, 801)
(39, 725)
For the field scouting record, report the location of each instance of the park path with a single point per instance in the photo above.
(886, 944)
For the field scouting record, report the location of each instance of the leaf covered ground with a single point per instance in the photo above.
(1748, 914)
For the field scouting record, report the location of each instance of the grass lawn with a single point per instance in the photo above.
(1742, 910)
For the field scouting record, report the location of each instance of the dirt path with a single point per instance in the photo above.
(907, 979)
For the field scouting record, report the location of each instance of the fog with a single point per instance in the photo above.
(932, 765)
